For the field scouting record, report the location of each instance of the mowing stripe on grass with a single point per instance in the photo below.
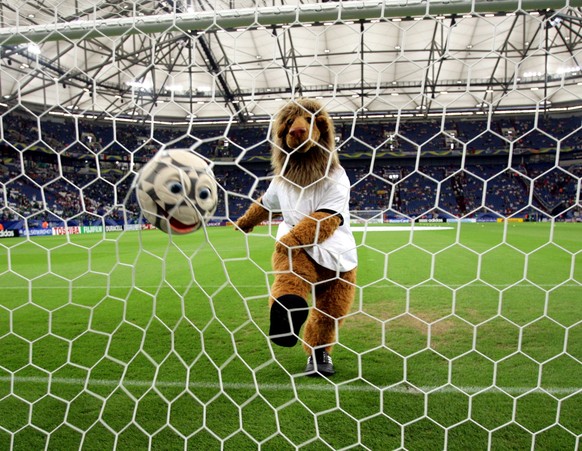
(285, 387)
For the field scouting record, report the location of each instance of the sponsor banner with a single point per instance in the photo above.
(116, 228)
(134, 227)
(92, 229)
(455, 220)
(36, 232)
(9, 233)
(398, 221)
(73, 230)
(99, 229)
(431, 220)
(510, 219)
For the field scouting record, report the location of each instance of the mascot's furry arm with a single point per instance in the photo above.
(312, 229)
(252, 217)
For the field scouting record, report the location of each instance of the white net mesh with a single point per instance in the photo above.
(460, 132)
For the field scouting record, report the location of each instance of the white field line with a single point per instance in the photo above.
(398, 228)
(283, 387)
(433, 285)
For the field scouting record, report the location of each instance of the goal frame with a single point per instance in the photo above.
(265, 16)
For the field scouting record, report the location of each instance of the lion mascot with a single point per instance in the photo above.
(315, 253)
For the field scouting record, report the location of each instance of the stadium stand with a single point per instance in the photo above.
(98, 167)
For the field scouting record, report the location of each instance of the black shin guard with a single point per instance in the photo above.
(288, 313)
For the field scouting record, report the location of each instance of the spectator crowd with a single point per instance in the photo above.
(81, 172)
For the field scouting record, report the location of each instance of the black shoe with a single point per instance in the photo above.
(288, 313)
(323, 366)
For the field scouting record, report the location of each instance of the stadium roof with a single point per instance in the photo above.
(197, 60)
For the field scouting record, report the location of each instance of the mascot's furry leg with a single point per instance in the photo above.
(289, 293)
(333, 300)
(295, 273)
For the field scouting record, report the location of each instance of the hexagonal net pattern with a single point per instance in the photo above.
(465, 173)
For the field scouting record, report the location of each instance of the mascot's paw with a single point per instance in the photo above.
(288, 313)
(243, 226)
(288, 243)
(319, 364)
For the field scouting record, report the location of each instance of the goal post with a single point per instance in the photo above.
(367, 216)
(462, 114)
(260, 16)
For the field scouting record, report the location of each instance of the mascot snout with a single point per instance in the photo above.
(301, 135)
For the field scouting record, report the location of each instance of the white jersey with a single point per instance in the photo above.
(331, 194)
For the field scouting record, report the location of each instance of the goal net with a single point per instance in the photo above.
(462, 115)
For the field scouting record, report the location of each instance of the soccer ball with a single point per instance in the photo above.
(176, 191)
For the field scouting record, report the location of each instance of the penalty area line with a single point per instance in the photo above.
(515, 391)
(423, 228)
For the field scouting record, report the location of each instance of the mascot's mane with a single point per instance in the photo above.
(304, 168)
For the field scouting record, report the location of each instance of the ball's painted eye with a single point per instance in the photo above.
(204, 193)
(175, 187)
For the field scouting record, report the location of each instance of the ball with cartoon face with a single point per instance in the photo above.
(176, 191)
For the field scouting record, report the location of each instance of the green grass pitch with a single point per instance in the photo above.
(465, 338)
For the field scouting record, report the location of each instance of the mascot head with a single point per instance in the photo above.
(303, 150)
